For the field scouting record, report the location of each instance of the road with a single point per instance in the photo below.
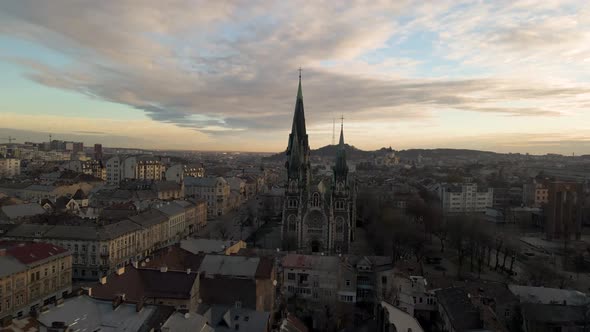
(228, 225)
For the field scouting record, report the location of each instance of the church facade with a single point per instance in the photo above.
(319, 213)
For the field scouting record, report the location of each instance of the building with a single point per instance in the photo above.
(535, 194)
(270, 203)
(553, 317)
(215, 191)
(89, 167)
(210, 246)
(83, 313)
(346, 284)
(392, 319)
(32, 275)
(318, 215)
(177, 172)
(9, 167)
(177, 228)
(114, 170)
(177, 289)
(563, 213)
(456, 312)
(98, 152)
(149, 168)
(18, 212)
(219, 319)
(464, 198)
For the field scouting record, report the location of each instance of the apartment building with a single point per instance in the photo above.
(340, 282)
(535, 194)
(9, 167)
(99, 250)
(215, 191)
(120, 168)
(464, 198)
(32, 275)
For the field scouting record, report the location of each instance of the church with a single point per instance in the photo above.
(319, 212)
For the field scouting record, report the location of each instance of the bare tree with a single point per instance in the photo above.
(222, 229)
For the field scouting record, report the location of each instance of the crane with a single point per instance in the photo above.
(10, 139)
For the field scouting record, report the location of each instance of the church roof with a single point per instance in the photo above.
(341, 168)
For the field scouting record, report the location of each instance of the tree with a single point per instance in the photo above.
(222, 230)
(457, 232)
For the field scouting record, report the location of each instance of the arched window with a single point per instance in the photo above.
(315, 200)
(292, 203)
(293, 186)
(292, 223)
(339, 205)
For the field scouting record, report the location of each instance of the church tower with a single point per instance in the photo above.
(318, 214)
(298, 176)
(343, 201)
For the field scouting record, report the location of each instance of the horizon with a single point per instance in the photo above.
(222, 77)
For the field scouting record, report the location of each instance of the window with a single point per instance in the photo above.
(291, 276)
(45, 272)
(384, 280)
(38, 275)
(347, 282)
(315, 200)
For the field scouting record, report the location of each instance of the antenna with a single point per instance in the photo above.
(333, 131)
(49, 138)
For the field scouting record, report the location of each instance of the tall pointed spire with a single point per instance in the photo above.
(341, 168)
(298, 147)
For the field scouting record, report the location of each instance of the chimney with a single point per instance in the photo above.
(164, 269)
(89, 290)
(188, 271)
(103, 280)
(120, 271)
(3, 252)
(117, 301)
(139, 305)
(136, 264)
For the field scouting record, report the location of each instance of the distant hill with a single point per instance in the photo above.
(353, 153)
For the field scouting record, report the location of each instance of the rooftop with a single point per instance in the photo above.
(235, 266)
(206, 246)
(529, 294)
(326, 263)
(22, 210)
(462, 314)
(31, 252)
(88, 314)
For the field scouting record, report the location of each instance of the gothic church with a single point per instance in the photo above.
(319, 213)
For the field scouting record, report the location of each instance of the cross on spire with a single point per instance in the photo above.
(341, 122)
(300, 73)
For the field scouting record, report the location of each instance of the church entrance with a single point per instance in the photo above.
(315, 246)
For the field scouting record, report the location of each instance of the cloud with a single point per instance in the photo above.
(225, 69)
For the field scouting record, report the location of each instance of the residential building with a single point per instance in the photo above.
(345, 283)
(177, 228)
(32, 275)
(563, 213)
(96, 250)
(177, 172)
(195, 214)
(114, 170)
(98, 152)
(553, 317)
(89, 167)
(319, 215)
(464, 198)
(215, 191)
(177, 289)
(149, 168)
(535, 194)
(9, 167)
(219, 319)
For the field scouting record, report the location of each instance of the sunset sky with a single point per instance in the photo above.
(507, 76)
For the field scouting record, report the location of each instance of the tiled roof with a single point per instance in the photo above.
(31, 252)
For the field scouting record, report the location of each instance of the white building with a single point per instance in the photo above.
(9, 167)
(464, 198)
(215, 191)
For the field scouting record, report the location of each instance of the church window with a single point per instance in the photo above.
(339, 205)
(293, 185)
(292, 203)
(315, 200)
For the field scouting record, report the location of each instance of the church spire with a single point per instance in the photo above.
(341, 168)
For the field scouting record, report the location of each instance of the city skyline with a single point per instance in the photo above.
(498, 76)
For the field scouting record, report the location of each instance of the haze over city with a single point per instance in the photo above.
(507, 76)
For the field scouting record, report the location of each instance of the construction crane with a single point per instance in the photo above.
(10, 139)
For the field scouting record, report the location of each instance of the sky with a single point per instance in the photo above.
(506, 76)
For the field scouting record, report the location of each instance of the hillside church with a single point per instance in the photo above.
(319, 214)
